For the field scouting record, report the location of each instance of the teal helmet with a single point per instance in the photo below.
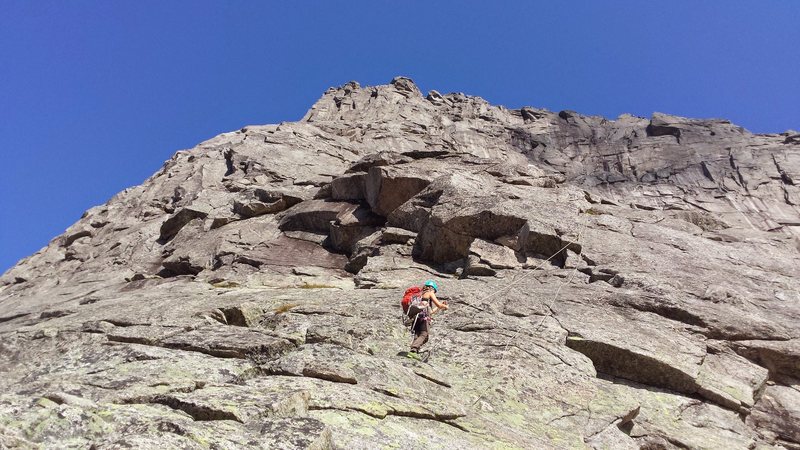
(432, 284)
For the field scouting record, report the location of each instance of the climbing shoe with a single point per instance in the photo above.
(414, 355)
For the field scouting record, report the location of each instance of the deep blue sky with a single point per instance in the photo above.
(95, 95)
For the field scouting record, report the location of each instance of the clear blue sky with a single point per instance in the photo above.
(95, 95)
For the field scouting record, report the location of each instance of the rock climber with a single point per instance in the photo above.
(429, 306)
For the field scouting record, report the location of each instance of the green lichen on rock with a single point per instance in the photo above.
(248, 294)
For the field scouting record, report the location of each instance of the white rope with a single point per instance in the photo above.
(517, 279)
(526, 275)
(549, 304)
(558, 291)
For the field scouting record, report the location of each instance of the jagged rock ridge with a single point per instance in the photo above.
(614, 284)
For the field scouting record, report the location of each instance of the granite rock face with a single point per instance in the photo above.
(628, 283)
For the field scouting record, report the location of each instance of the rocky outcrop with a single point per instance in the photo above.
(627, 283)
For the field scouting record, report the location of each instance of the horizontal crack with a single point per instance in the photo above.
(124, 323)
(445, 419)
(350, 409)
(618, 362)
(198, 412)
(16, 316)
(325, 377)
(695, 395)
(433, 380)
(255, 355)
(435, 417)
(671, 312)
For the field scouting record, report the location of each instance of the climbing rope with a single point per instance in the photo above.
(558, 291)
(549, 304)
(520, 277)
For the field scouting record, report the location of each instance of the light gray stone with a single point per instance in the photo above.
(643, 288)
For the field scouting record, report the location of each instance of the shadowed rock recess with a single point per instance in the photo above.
(628, 283)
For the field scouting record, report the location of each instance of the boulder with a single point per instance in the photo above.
(315, 215)
(493, 255)
(780, 357)
(228, 342)
(406, 86)
(730, 380)
(776, 415)
(634, 346)
(174, 223)
(351, 227)
(392, 235)
(389, 187)
(376, 160)
(349, 187)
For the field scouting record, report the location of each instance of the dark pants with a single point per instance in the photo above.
(420, 334)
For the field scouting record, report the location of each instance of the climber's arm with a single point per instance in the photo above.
(438, 305)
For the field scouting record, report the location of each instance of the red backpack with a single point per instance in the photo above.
(409, 296)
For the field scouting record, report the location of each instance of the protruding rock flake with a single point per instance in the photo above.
(627, 283)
